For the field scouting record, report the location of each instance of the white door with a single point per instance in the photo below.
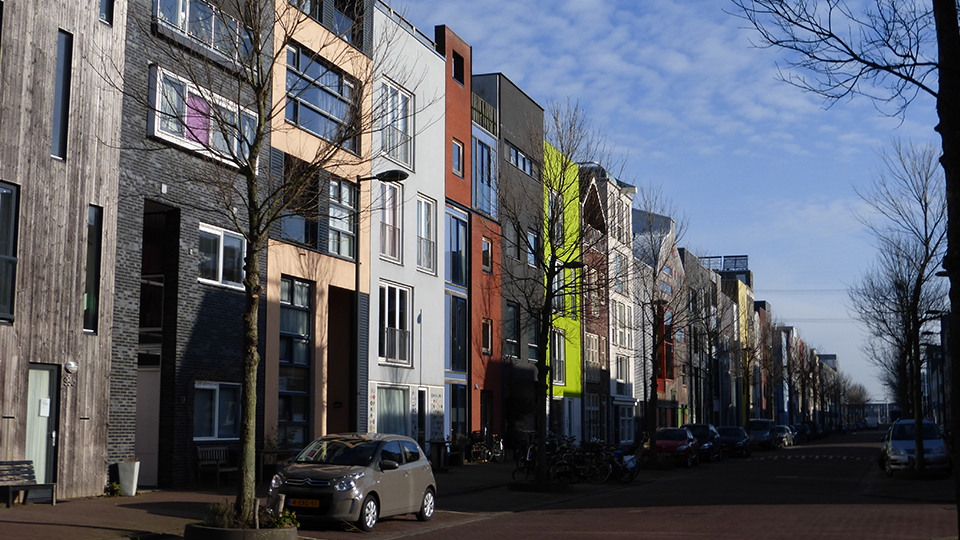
(42, 408)
(148, 423)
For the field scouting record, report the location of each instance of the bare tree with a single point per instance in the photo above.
(898, 297)
(212, 92)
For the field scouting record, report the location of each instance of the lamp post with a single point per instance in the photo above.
(392, 176)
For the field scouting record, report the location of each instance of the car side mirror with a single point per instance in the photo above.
(388, 465)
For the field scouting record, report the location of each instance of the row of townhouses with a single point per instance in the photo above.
(403, 289)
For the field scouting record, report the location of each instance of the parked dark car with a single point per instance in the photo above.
(801, 433)
(675, 444)
(734, 441)
(762, 433)
(356, 478)
(709, 440)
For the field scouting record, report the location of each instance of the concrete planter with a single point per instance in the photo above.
(197, 531)
(128, 473)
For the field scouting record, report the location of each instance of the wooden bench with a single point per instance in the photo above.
(19, 476)
(216, 459)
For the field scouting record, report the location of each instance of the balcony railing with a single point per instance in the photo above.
(426, 254)
(389, 241)
(396, 345)
(396, 144)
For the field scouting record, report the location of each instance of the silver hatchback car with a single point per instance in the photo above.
(899, 445)
(356, 478)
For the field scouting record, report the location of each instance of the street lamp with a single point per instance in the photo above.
(391, 176)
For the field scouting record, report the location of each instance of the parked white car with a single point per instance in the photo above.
(897, 452)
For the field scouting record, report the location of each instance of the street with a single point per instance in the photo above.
(831, 488)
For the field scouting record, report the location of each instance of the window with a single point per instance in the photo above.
(620, 273)
(667, 270)
(592, 415)
(106, 11)
(91, 292)
(622, 369)
(484, 171)
(457, 250)
(457, 157)
(221, 256)
(395, 312)
(592, 357)
(511, 330)
(426, 235)
(397, 135)
(457, 321)
(626, 424)
(533, 339)
(520, 160)
(9, 214)
(574, 292)
(511, 244)
(321, 99)
(558, 365)
(342, 219)
(392, 412)
(487, 336)
(555, 217)
(296, 324)
(666, 287)
(533, 247)
(390, 233)
(216, 411)
(458, 68)
(61, 95)
(458, 410)
(486, 254)
(205, 24)
(556, 289)
(199, 120)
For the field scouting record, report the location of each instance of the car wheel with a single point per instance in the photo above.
(427, 506)
(689, 460)
(369, 513)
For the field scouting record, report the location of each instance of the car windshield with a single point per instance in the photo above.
(672, 434)
(339, 452)
(758, 425)
(700, 432)
(905, 432)
(782, 429)
(729, 431)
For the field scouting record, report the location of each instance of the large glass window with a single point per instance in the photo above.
(9, 213)
(395, 323)
(511, 330)
(397, 134)
(221, 256)
(426, 235)
(216, 411)
(321, 99)
(520, 160)
(591, 357)
(61, 95)
(201, 121)
(484, 170)
(390, 230)
(457, 250)
(296, 324)
(207, 25)
(392, 410)
(342, 218)
(91, 292)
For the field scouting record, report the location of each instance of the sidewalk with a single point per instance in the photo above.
(154, 514)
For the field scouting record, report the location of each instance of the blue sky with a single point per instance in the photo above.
(756, 166)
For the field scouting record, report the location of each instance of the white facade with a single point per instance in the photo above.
(622, 306)
(405, 384)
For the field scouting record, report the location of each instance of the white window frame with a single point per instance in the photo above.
(221, 233)
(216, 386)
(486, 334)
(512, 339)
(558, 357)
(396, 134)
(239, 42)
(592, 356)
(520, 160)
(169, 119)
(427, 234)
(391, 221)
(341, 194)
(533, 247)
(340, 88)
(402, 324)
(626, 422)
(457, 158)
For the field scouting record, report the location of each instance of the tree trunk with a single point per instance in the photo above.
(948, 44)
(244, 505)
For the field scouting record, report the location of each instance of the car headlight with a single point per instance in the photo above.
(739, 443)
(348, 482)
(276, 481)
(683, 448)
(897, 451)
(939, 451)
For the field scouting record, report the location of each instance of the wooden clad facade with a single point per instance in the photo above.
(53, 196)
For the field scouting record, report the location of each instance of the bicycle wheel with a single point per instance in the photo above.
(498, 453)
(627, 474)
(597, 472)
(522, 473)
(562, 471)
(476, 454)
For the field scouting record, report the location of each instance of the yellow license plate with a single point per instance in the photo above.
(307, 503)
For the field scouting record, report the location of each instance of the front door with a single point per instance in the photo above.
(42, 408)
(148, 423)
